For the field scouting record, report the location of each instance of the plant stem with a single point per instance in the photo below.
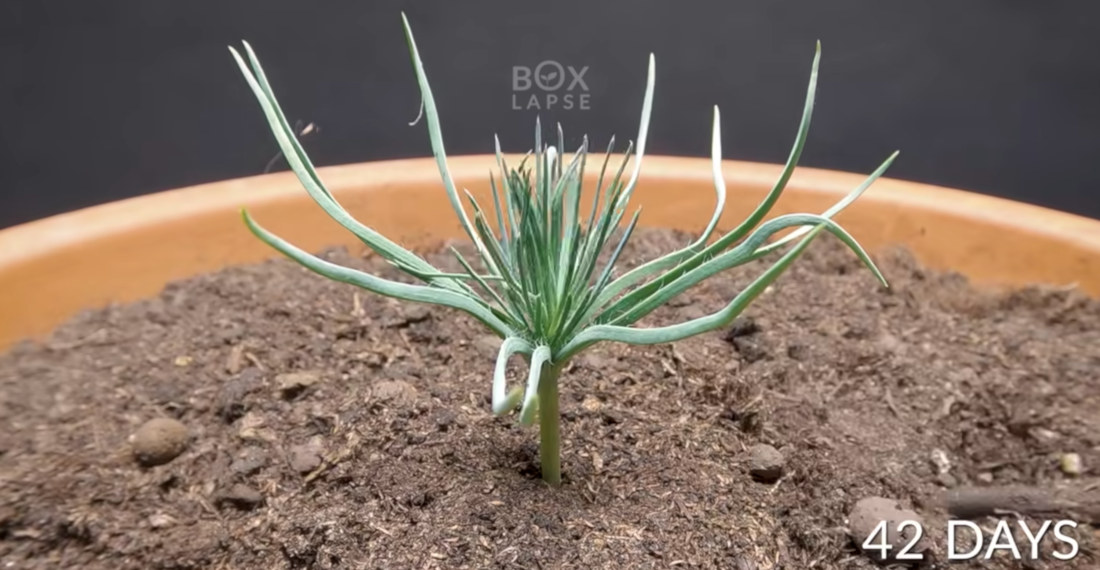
(549, 418)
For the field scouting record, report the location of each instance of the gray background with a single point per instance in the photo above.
(109, 99)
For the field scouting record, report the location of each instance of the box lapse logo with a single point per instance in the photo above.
(550, 86)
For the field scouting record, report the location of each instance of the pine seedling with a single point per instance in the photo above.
(544, 279)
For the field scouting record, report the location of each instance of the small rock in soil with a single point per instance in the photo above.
(159, 441)
(292, 384)
(240, 496)
(765, 463)
(865, 518)
(249, 461)
(1071, 464)
(305, 458)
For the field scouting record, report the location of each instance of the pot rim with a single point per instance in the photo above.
(34, 238)
(987, 232)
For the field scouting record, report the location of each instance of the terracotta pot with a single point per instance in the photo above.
(53, 268)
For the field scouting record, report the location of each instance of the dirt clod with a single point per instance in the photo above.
(858, 386)
(159, 441)
(161, 520)
(864, 523)
(742, 327)
(240, 496)
(766, 463)
(445, 420)
(232, 400)
(940, 461)
(305, 458)
(487, 345)
(797, 351)
(249, 461)
(294, 383)
(750, 349)
(397, 392)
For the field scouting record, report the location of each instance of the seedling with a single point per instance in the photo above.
(539, 283)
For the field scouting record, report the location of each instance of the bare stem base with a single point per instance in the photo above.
(549, 419)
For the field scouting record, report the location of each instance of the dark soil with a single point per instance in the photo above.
(380, 451)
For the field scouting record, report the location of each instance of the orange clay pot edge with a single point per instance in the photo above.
(53, 268)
